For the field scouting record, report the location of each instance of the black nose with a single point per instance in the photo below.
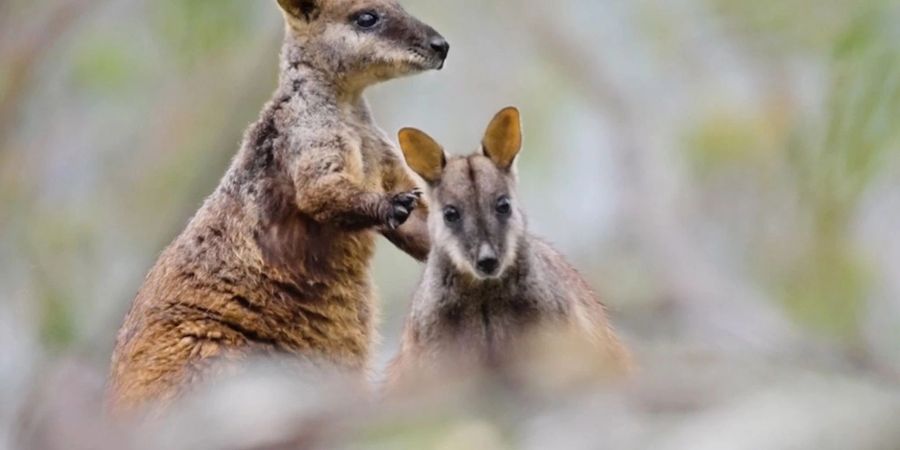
(440, 45)
(487, 266)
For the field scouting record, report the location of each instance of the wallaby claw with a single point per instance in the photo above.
(402, 205)
(407, 199)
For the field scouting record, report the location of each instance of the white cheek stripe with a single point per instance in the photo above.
(510, 251)
(446, 242)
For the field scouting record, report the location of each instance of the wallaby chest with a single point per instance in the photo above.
(379, 159)
(496, 308)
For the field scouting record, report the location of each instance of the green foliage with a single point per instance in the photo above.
(834, 165)
(864, 107)
(57, 243)
(800, 25)
(58, 329)
(725, 140)
(197, 29)
(827, 289)
(826, 160)
(105, 65)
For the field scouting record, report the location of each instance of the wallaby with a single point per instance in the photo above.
(488, 283)
(276, 261)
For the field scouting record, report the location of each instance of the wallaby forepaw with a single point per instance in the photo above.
(402, 205)
(408, 200)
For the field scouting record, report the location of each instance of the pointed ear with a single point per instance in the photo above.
(423, 155)
(302, 9)
(503, 138)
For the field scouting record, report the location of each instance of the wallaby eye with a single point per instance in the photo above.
(451, 214)
(366, 19)
(504, 206)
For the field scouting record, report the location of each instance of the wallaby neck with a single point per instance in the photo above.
(302, 72)
(307, 99)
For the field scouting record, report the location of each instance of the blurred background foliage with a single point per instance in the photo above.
(725, 172)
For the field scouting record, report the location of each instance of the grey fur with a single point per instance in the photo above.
(460, 314)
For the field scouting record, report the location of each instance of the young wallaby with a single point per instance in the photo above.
(276, 261)
(488, 284)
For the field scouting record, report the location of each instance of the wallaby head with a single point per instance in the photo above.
(361, 42)
(475, 219)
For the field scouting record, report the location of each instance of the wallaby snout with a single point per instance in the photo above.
(487, 262)
(440, 46)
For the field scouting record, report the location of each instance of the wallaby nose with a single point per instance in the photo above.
(440, 46)
(488, 266)
(487, 260)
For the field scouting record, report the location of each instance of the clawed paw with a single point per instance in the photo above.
(401, 206)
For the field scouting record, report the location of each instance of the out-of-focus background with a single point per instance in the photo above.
(726, 173)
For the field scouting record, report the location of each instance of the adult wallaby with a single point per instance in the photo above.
(277, 259)
(488, 284)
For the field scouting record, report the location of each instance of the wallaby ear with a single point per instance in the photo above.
(503, 138)
(302, 9)
(423, 155)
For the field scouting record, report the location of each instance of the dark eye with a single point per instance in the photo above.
(451, 214)
(504, 206)
(366, 19)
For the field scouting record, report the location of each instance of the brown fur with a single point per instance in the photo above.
(465, 312)
(276, 261)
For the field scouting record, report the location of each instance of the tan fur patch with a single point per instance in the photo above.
(423, 155)
(503, 138)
